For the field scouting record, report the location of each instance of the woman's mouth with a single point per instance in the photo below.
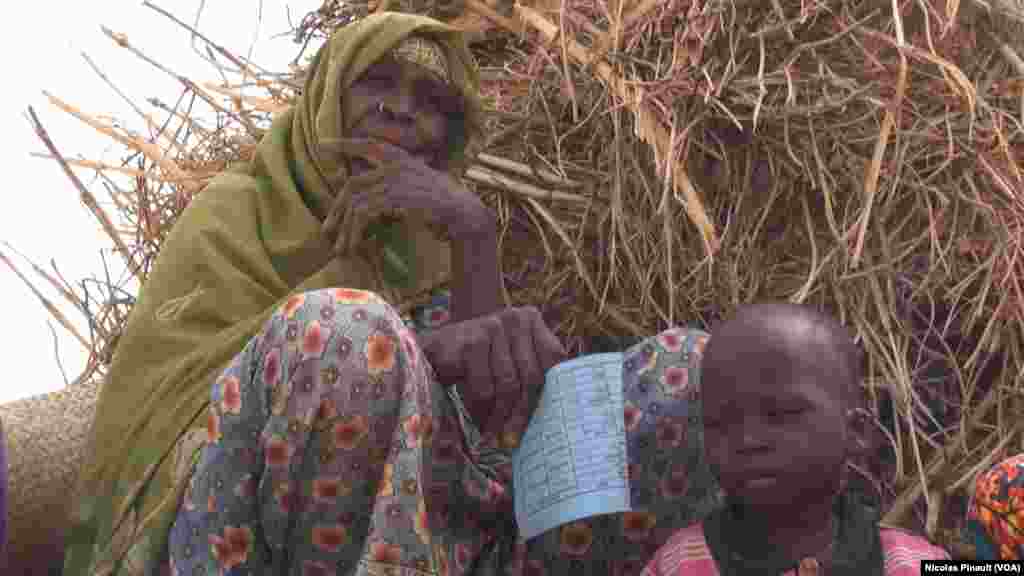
(761, 481)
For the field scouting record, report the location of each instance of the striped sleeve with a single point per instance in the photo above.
(904, 552)
(685, 553)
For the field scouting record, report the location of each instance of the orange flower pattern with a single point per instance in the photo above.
(577, 539)
(212, 426)
(232, 548)
(332, 415)
(349, 433)
(329, 538)
(292, 305)
(231, 395)
(674, 381)
(314, 340)
(380, 353)
(348, 296)
(995, 515)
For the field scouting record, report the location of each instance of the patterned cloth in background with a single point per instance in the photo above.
(331, 449)
(995, 516)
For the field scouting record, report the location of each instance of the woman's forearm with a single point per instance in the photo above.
(476, 288)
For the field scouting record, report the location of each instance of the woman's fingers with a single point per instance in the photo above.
(531, 376)
(346, 202)
(549, 349)
(369, 206)
(443, 348)
(505, 376)
(478, 386)
(375, 152)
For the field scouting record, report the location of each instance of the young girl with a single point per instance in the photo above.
(779, 386)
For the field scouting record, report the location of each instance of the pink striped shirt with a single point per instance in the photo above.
(687, 554)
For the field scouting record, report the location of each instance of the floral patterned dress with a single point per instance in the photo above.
(995, 516)
(330, 449)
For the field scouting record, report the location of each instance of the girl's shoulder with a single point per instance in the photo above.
(685, 552)
(904, 551)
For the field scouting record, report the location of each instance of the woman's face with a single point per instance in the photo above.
(403, 104)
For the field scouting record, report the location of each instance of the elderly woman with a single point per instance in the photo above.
(341, 437)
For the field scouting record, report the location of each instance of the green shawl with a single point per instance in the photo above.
(249, 240)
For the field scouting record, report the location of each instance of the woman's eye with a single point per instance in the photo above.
(378, 80)
(429, 102)
(782, 412)
(436, 97)
(376, 77)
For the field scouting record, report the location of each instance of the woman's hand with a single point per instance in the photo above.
(391, 182)
(500, 359)
(399, 185)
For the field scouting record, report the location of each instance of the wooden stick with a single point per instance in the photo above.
(86, 197)
(524, 170)
(245, 67)
(63, 289)
(126, 171)
(889, 123)
(122, 41)
(482, 175)
(649, 129)
(639, 12)
(939, 461)
(152, 151)
(495, 16)
(46, 303)
(268, 105)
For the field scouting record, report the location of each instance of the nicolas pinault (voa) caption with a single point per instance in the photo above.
(972, 567)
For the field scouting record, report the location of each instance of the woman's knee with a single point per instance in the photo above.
(336, 336)
(340, 297)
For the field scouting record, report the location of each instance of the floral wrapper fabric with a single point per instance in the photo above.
(995, 516)
(331, 449)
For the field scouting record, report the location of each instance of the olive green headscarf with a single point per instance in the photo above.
(247, 242)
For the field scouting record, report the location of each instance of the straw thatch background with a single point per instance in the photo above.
(676, 158)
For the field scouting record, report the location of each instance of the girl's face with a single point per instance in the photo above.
(403, 104)
(774, 426)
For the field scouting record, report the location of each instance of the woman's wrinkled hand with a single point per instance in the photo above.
(500, 361)
(396, 186)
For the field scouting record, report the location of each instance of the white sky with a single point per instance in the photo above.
(41, 215)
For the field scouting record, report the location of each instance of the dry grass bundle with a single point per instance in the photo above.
(675, 159)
